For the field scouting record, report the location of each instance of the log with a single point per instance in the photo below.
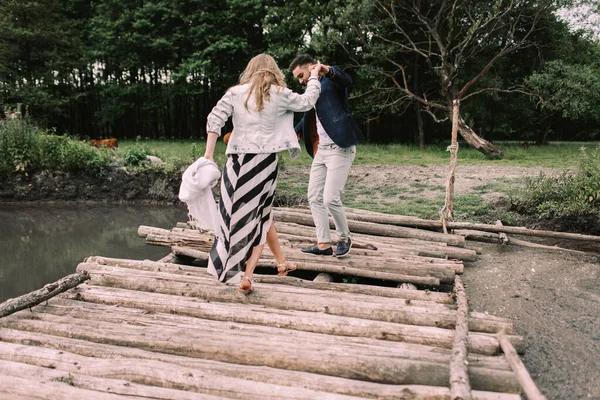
(493, 238)
(460, 386)
(479, 236)
(47, 292)
(529, 387)
(379, 291)
(330, 268)
(376, 229)
(432, 224)
(259, 374)
(70, 382)
(399, 263)
(354, 358)
(17, 388)
(163, 237)
(292, 298)
(150, 378)
(291, 319)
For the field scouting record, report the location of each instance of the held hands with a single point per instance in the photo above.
(319, 69)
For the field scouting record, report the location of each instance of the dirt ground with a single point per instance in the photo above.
(553, 297)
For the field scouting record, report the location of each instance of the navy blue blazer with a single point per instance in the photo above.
(333, 112)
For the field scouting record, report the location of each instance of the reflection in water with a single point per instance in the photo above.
(41, 244)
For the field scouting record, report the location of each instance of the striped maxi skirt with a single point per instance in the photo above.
(247, 190)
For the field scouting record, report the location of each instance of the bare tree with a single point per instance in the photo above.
(456, 41)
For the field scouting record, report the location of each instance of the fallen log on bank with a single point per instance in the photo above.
(400, 220)
(490, 237)
(36, 297)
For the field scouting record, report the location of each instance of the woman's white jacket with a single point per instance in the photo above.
(268, 131)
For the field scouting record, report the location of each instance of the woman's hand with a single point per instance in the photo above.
(316, 70)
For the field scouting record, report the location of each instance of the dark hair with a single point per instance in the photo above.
(301, 59)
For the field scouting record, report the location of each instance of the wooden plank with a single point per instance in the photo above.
(529, 387)
(460, 386)
(292, 298)
(289, 319)
(392, 363)
(330, 268)
(417, 297)
(260, 374)
(143, 378)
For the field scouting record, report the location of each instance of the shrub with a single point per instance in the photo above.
(26, 148)
(567, 195)
(136, 154)
(19, 149)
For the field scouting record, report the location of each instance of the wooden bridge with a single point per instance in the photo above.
(167, 330)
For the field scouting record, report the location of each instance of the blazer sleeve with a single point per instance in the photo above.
(299, 128)
(340, 77)
(220, 113)
(305, 101)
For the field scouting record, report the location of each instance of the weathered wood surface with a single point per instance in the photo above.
(151, 378)
(290, 319)
(348, 357)
(529, 387)
(400, 252)
(145, 329)
(47, 292)
(389, 274)
(460, 386)
(415, 296)
(291, 298)
(255, 373)
(49, 376)
(400, 220)
(374, 228)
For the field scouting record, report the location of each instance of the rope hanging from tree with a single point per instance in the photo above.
(446, 213)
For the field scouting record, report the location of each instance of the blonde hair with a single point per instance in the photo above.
(261, 72)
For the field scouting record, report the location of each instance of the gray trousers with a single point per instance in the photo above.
(328, 176)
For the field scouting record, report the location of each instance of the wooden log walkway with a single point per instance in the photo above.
(168, 330)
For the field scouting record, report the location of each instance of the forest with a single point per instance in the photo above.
(155, 68)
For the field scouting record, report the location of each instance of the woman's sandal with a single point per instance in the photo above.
(285, 268)
(246, 289)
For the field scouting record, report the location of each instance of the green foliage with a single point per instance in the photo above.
(136, 154)
(19, 150)
(573, 90)
(26, 148)
(565, 195)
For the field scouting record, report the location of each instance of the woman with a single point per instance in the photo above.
(263, 112)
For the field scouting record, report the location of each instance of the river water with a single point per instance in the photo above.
(41, 244)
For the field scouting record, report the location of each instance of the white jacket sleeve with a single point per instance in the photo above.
(303, 102)
(220, 113)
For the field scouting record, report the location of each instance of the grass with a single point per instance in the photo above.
(554, 155)
(388, 197)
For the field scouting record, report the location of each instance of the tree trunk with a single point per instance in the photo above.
(478, 143)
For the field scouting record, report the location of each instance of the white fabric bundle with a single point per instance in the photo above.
(195, 190)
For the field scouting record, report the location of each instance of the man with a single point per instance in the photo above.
(330, 136)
